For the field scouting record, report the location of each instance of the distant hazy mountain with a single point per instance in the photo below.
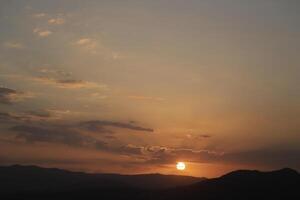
(30, 182)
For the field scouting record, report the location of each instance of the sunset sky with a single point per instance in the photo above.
(134, 86)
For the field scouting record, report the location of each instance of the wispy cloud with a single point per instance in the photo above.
(14, 45)
(97, 124)
(9, 117)
(146, 98)
(9, 96)
(71, 134)
(88, 44)
(167, 155)
(75, 135)
(39, 15)
(95, 46)
(54, 72)
(69, 83)
(57, 134)
(23, 117)
(56, 21)
(38, 113)
(42, 32)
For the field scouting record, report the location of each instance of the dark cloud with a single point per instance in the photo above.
(9, 117)
(57, 134)
(204, 136)
(10, 96)
(70, 137)
(95, 127)
(5, 117)
(63, 79)
(158, 155)
(130, 150)
(69, 83)
(38, 113)
(98, 125)
(7, 95)
(24, 117)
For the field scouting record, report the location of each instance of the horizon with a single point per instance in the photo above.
(137, 174)
(196, 87)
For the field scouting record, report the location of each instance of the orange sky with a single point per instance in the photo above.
(135, 86)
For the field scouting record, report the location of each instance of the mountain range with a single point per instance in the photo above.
(32, 182)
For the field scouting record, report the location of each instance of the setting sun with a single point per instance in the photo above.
(180, 166)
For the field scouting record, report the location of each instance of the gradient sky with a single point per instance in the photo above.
(132, 86)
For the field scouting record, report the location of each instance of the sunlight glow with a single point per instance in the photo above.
(180, 166)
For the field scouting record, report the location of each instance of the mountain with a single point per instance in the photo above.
(242, 184)
(32, 179)
(30, 182)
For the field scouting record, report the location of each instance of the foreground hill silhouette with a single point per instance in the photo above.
(20, 180)
(243, 184)
(30, 182)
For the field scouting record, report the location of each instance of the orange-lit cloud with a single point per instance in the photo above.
(42, 32)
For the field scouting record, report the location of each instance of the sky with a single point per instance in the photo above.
(134, 86)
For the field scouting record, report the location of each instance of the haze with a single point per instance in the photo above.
(136, 86)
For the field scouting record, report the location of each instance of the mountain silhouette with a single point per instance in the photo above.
(19, 179)
(31, 182)
(242, 184)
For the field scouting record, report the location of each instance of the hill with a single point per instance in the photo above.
(31, 182)
(32, 179)
(242, 184)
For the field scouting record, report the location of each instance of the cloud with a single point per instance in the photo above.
(72, 136)
(61, 79)
(166, 155)
(204, 136)
(96, 47)
(146, 98)
(56, 21)
(29, 116)
(42, 32)
(10, 96)
(9, 117)
(98, 125)
(84, 41)
(130, 149)
(40, 119)
(14, 45)
(53, 134)
(59, 113)
(76, 135)
(39, 15)
(38, 113)
(54, 72)
(89, 44)
(7, 96)
(263, 157)
(95, 127)
(69, 83)
(72, 83)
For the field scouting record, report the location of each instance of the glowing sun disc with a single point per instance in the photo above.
(180, 166)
